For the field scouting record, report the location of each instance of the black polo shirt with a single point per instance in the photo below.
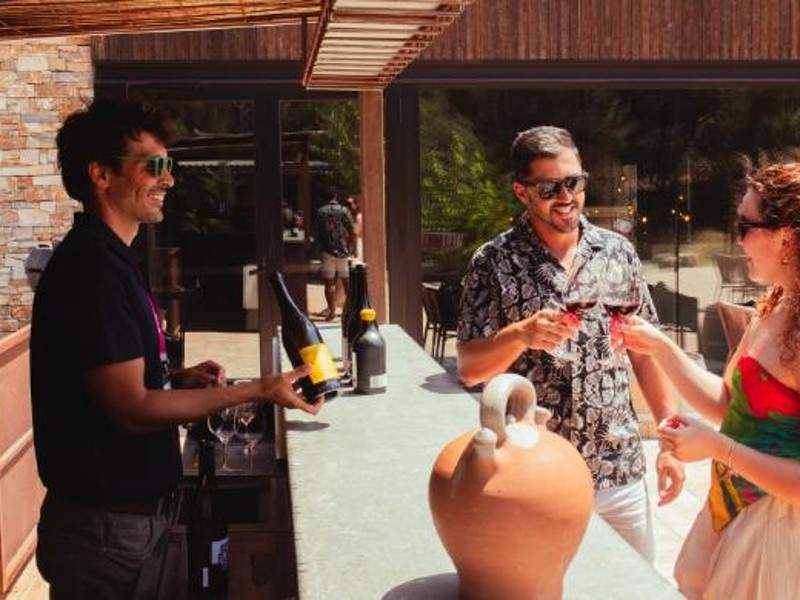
(92, 308)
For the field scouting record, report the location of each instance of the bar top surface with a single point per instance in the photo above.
(358, 475)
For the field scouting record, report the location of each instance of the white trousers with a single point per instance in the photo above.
(627, 509)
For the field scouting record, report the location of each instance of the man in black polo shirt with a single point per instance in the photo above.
(105, 418)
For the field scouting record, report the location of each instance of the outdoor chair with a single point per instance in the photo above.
(440, 317)
(431, 318)
(664, 300)
(734, 282)
(734, 318)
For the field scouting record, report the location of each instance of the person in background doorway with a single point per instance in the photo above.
(335, 226)
(354, 204)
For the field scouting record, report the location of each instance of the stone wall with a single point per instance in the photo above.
(41, 81)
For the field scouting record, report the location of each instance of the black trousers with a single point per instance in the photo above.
(85, 552)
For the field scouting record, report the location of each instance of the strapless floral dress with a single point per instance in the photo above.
(745, 544)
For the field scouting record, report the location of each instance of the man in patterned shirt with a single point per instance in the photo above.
(337, 240)
(506, 325)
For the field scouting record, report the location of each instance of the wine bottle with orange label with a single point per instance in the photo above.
(304, 345)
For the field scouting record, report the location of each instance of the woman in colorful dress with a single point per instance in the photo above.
(745, 543)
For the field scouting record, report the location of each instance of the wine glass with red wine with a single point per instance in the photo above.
(581, 294)
(620, 302)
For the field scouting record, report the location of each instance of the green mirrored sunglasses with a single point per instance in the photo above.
(156, 165)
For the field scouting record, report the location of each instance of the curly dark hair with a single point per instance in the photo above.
(98, 134)
(778, 187)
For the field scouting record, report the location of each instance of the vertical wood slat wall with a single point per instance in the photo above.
(525, 30)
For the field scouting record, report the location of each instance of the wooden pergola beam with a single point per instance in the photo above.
(402, 29)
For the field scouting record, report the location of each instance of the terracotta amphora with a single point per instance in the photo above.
(511, 501)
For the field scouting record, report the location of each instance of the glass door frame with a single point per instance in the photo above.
(172, 83)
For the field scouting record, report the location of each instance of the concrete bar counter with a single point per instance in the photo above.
(358, 476)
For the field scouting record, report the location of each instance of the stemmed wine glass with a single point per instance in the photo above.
(620, 302)
(221, 424)
(250, 426)
(580, 294)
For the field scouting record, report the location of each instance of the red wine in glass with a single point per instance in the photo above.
(580, 306)
(623, 309)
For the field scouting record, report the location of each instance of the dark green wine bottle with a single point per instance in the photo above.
(305, 346)
(207, 534)
(348, 305)
(369, 349)
(360, 302)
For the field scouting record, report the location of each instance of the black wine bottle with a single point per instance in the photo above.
(369, 349)
(348, 305)
(304, 345)
(207, 535)
(360, 302)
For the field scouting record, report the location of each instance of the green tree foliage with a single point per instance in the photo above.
(462, 190)
(337, 145)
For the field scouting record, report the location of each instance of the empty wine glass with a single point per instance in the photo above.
(222, 425)
(251, 425)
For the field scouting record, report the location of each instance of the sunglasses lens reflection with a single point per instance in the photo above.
(159, 165)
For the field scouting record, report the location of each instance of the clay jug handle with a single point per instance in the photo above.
(508, 394)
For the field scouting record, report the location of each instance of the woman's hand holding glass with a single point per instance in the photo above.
(621, 303)
(641, 336)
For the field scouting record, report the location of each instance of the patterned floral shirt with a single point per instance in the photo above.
(515, 275)
(335, 229)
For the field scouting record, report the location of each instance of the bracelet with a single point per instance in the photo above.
(729, 461)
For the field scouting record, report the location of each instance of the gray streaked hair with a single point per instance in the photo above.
(544, 141)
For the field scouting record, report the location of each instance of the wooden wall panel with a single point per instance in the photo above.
(248, 43)
(21, 492)
(670, 30)
(527, 30)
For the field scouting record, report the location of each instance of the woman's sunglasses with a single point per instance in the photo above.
(155, 165)
(547, 190)
(743, 227)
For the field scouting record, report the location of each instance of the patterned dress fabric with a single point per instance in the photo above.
(745, 543)
(335, 229)
(512, 277)
(763, 414)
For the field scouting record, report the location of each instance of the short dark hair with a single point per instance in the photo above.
(545, 141)
(99, 133)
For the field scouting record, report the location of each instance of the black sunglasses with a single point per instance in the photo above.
(156, 165)
(743, 227)
(547, 190)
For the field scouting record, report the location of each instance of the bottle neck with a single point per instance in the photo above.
(206, 470)
(362, 299)
(285, 301)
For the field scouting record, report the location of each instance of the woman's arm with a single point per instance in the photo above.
(705, 391)
(777, 476)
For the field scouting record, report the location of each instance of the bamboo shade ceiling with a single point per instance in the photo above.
(43, 18)
(365, 44)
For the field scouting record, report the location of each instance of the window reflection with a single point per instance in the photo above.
(666, 171)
